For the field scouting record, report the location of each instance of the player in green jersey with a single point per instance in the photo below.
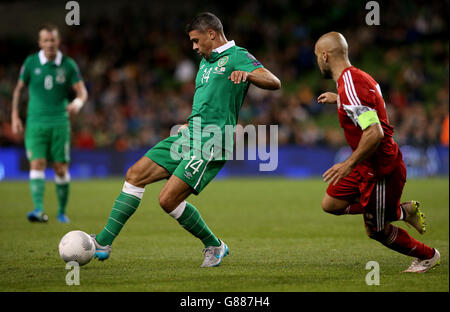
(49, 75)
(224, 75)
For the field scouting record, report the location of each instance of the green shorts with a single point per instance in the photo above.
(48, 142)
(196, 169)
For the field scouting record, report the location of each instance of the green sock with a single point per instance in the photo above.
(191, 220)
(124, 206)
(62, 192)
(37, 187)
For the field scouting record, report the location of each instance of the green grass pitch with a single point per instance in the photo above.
(279, 238)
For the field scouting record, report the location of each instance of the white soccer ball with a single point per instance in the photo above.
(77, 246)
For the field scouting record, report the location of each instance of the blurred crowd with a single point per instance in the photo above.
(139, 69)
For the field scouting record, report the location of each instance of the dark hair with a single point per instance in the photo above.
(205, 21)
(49, 27)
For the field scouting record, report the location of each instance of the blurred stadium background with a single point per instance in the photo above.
(138, 66)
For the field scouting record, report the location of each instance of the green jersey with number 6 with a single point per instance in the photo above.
(48, 84)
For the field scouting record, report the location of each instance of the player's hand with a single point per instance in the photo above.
(336, 173)
(72, 109)
(238, 76)
(327, 98)
(16, 125)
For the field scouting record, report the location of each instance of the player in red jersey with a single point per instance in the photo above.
(371, 180)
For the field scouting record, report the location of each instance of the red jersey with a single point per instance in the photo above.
(358, 92)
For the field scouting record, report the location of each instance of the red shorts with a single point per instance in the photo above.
(379, 196)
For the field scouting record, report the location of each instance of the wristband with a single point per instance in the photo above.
(78, 103)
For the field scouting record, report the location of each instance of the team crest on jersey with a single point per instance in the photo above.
(37, 71)
(222, 61)
(60, 75)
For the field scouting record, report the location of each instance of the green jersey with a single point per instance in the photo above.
(191, 154)
(48, 84)
(218, 100)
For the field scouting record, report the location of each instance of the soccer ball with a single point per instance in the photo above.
(77, 246)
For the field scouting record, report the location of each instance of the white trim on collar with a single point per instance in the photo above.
(224, 47)
(43, 59)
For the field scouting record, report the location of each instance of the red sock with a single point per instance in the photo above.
(355, 208)
(400, 241)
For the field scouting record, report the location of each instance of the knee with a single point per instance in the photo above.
(133, 177)
(166, 202)
(325, 207)
(60, 171)
(328, 207)
(38, 164)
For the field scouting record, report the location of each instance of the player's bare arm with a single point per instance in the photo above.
(16, 123)
(80, 99)
(260, 77)
(369, 142)
(327, 98)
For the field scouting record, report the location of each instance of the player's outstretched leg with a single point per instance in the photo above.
(124, 206)
(37, 188)
(176, 190)
(143, 172)
(413, 215)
